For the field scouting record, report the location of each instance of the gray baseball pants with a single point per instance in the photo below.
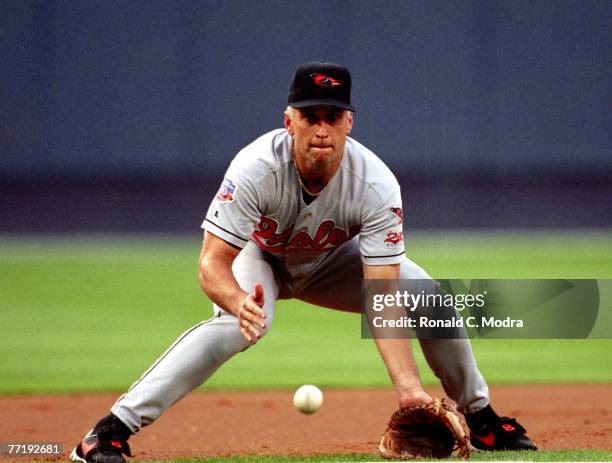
(335, 283)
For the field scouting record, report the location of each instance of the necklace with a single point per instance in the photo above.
(299, 176)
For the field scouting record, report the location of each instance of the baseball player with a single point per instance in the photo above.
(303, 212)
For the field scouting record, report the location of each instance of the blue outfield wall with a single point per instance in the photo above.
(124, 115)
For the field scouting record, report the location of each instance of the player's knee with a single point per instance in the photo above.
(263, 331)
(409, 270)
(241, 339)
(233, 337)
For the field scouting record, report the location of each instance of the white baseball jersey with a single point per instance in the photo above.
(261, 200)
(260, 205)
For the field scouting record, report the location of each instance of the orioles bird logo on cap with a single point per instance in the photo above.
(325, 81)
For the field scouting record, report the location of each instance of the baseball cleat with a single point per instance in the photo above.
(503, 434)
(103, 447)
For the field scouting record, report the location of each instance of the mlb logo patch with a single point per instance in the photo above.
(227, 191)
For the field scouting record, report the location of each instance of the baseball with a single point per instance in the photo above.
(308, 399)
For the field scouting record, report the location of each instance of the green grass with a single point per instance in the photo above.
(90, 314)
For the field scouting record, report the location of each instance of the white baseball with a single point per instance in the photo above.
(308, 399)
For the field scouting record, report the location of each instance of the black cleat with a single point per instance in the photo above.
(502, 434)
(101, 446)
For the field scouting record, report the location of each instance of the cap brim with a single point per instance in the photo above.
(327, 102)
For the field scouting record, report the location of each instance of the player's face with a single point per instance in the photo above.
(319, 133)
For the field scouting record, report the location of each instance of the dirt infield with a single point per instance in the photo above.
(350, 421)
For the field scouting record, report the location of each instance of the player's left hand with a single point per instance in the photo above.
(251, 316)
(427, 430)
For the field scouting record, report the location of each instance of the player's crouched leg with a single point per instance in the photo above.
(189, 362)
(252, 268)
(231, 326)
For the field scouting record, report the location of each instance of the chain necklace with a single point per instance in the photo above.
(299, 176)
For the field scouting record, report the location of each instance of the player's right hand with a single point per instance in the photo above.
(414, 398)
(251, 316)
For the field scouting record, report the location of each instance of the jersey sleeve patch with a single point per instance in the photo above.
(397, 211)
(382, 236)
(394, 238)
(227, 192)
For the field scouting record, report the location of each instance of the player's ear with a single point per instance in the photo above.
(350, 122)
(287, 123)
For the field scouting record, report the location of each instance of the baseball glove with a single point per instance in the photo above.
(430, 430)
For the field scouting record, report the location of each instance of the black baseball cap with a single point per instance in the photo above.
(316, 83)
